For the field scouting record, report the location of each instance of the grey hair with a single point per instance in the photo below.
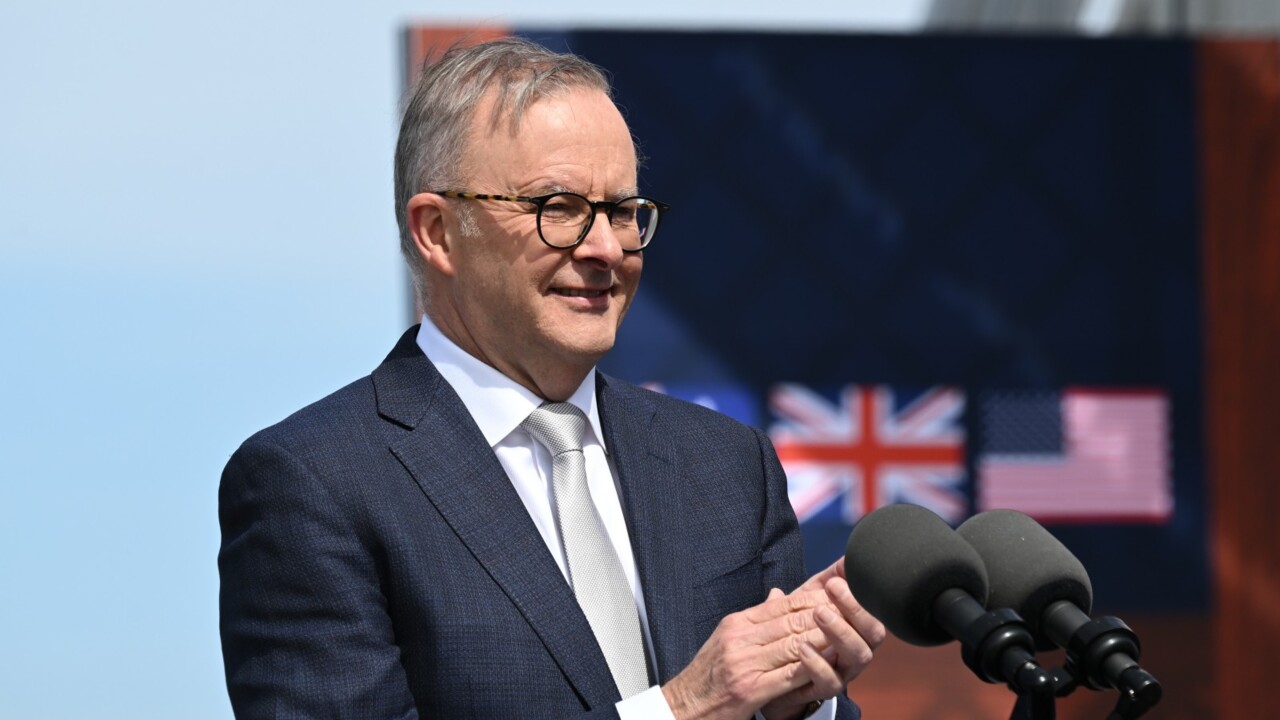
(440, 109)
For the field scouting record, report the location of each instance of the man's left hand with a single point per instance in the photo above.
(843, 648)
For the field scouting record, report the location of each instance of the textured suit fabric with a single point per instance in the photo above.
(377, 563)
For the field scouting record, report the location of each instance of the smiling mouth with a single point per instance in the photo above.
(572, 292)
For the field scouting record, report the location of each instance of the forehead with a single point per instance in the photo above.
(577, 130)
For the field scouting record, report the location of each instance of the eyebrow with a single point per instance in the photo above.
(552, 188)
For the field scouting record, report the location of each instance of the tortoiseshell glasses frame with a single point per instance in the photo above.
(565, 218)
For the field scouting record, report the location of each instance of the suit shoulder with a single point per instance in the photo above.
(325, 421)
(352, 412)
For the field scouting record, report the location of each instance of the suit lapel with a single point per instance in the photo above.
(651, 503)
(457, 470)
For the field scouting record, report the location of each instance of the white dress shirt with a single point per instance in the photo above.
(499, 405)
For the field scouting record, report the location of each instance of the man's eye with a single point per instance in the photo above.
(556, 210)
(562, 209)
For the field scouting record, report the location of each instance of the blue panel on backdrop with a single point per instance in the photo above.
(988, 214)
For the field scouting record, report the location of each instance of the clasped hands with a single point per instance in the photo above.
(780, 655)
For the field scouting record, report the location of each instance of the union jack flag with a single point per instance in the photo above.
(870, 450)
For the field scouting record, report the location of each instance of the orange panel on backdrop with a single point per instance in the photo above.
(423, 44)
(1239, 87)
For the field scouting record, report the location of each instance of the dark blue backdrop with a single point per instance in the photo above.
(986, 212)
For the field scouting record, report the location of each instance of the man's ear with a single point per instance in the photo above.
(426, 214)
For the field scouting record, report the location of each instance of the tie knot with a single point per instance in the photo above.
(558, 426)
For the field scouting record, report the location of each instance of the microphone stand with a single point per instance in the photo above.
(1101, 654)
(997, 646)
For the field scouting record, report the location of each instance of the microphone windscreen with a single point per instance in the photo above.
(1029, 568)
(899, 559)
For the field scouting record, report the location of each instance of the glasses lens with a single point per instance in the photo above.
(634, 222)
(562, 218)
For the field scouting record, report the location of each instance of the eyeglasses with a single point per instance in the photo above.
(565, 218)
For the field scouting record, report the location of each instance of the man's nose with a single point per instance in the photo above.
(601, 243)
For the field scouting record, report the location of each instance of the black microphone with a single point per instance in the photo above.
(899, 559)
(910, 570)
(1028, 568)
(1038, 577)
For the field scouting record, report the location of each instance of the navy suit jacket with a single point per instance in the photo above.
(376, 561)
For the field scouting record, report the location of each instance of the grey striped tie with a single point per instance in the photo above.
(594, 571)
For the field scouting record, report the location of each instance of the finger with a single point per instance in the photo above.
(800, 626)
(853, 653)
(786, 668)
(799, 620)
(775, 593)
(791, 681)
(781, 604)
(778, 617)
(871, 629)
(824, 682)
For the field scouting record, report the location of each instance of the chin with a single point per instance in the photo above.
(594, 348)
(591, 345)
(586, 337)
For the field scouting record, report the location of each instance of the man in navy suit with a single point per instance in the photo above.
(397, 550)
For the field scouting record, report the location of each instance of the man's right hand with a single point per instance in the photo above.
(753, 656)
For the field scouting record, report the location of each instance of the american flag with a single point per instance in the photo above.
(870, 450)
(1079, 456)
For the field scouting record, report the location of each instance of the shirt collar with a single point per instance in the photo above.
(497, 403)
